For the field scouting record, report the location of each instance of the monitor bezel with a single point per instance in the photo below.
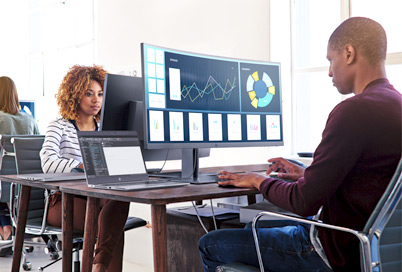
(170, 145)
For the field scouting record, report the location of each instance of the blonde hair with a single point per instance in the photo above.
(73, 88)
(8, 96)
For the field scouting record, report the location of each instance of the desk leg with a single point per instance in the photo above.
(251, 199)
(68, 208)
(159, 237)
(25, 195)
(91, 223)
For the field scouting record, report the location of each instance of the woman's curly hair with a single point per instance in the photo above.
(73, 88)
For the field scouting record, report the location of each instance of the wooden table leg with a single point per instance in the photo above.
(68, 208)
(25, 195)
(251, 199)
(91, 224)
(159, 237)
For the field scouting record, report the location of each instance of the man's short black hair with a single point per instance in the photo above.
(366, 35)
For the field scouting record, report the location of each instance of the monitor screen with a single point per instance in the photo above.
(118, 91)
(28, 106)
(194, 100)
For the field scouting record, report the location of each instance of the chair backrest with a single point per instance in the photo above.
(7, 162)
(384, 227)
(7, 165)
(27, 158)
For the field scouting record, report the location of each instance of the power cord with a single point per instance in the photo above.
(199, 217)
(164, 163)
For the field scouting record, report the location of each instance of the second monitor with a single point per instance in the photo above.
(122, 109)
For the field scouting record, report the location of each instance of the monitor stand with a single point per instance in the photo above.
(189, 170)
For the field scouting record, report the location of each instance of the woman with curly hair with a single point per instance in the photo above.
(79, 99)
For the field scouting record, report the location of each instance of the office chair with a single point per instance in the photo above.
(380, 240)
(28, 161)
(8, 167)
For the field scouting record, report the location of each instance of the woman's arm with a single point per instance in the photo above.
(60, 151)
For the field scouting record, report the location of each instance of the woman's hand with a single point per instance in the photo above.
(246, 180)
(285, 169)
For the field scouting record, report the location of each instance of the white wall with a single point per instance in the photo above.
(230, 28)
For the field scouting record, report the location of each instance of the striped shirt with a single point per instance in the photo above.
(60, 151)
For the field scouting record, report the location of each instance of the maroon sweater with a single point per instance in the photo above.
(357, 156)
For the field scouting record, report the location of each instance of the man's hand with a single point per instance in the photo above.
(246, 180)
(285, 169)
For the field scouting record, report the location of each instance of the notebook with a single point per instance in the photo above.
(113, 160)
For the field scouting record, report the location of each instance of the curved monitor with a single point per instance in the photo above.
(194, 100)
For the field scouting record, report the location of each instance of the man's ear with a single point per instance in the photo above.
(350, 53)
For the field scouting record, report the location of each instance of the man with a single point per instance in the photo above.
(352, 166)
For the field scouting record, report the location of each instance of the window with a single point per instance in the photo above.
(61, 34)
(313, 21)
(387, 13)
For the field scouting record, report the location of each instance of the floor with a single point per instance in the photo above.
(137, 251)
(138, 255)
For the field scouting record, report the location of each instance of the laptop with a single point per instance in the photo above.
(113, 160)
(49, 177)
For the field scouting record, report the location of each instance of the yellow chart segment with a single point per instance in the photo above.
(271, 90)
(254, 102)
(252, 95)
(255, 76)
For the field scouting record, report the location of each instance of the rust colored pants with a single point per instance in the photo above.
(110, 237)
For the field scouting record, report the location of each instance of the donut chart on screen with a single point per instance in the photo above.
(260, 90)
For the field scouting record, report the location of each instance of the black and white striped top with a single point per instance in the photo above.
(60, 151)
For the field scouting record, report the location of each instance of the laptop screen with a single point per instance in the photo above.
(113, 155)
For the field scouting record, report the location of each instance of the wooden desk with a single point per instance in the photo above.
(157, 198)
(25, 193)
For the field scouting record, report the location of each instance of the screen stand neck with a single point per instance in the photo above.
(190, 168)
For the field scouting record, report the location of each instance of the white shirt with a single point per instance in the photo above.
(60, 151)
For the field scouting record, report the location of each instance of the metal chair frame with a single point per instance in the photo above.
(369, 237)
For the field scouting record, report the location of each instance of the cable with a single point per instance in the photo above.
(213, 215)
(199, 218)
(167, 155)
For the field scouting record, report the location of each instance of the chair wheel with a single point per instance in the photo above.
(54, 255)
(27, 266)
(29, 249)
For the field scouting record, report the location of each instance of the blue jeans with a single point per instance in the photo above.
(285, 246)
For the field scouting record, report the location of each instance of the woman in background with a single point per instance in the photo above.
(12, 122)
(80, 99)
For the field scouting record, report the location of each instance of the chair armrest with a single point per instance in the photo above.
(302, 220)
(364, 240)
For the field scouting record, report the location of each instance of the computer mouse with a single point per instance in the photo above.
(297, 162)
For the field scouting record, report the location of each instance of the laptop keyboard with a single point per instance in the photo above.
(143, 182)
(155, 183)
